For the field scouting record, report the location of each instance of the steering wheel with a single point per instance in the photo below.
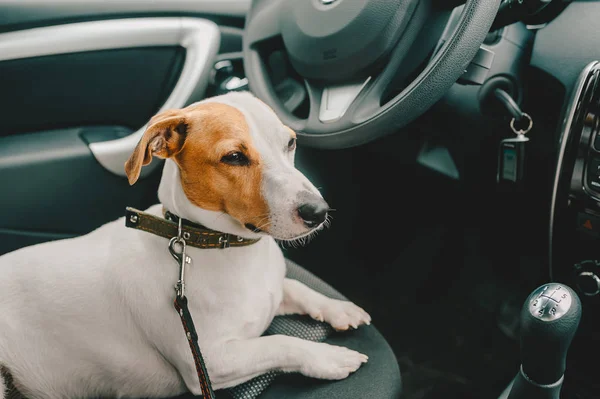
(351, 54)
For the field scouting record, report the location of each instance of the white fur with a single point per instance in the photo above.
(93, 316)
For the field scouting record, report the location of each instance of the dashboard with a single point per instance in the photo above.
(574, 239)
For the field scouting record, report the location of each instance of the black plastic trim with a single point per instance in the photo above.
(53, 187)
(122, 87)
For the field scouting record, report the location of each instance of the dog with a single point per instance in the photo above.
(92, 316)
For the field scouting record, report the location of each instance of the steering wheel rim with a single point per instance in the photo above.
(361, 121)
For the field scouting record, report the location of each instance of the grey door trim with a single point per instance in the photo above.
(35, 11)
(199, 37)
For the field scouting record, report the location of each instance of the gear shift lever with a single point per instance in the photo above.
(549, 321)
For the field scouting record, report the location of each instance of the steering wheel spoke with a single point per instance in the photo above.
(372, 98)
(348, 104)
(329, 104)
(403, 60)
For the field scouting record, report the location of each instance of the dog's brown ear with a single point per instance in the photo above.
(163, 138)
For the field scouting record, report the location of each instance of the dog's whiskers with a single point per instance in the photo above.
(327, 221)
(304, 240)
(263, 223)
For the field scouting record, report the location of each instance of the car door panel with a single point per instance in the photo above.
(77, 97)
(54, 188)
(112, 87)
(25, 14)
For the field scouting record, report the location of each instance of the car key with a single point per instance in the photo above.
(512, 152)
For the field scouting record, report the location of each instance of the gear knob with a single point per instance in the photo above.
(549, 321)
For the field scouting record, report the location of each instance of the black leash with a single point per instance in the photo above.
(201, 238)
(181, 305)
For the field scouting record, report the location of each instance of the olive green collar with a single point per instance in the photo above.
(194, 234)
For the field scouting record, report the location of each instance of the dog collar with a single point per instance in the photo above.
(194, 234)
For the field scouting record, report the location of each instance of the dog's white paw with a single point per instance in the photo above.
(341, 315)
(330, 362)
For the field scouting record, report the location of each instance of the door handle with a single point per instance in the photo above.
(199, 37)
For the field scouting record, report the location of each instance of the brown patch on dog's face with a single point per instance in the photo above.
(219, 166)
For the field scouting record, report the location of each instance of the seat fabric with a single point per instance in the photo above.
(377, 379)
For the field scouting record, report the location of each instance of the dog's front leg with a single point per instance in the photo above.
(238, 361)
(300, 299)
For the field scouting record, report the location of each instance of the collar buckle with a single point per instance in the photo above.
(224, 240)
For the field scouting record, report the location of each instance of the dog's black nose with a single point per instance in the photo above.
(313, 213)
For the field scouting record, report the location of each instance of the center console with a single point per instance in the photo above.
(575, 227)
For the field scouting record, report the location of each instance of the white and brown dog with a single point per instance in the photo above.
(92, 316)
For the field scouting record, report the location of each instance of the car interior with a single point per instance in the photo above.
(457, 141)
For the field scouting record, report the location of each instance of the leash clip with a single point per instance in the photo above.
(181, 258)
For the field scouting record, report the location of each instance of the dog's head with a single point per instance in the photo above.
(231, 155)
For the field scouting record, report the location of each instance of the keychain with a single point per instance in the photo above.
(511, 155)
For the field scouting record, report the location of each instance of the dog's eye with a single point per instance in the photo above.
(291, 144)
(236, 158)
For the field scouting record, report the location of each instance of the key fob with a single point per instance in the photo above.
(511, 159)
